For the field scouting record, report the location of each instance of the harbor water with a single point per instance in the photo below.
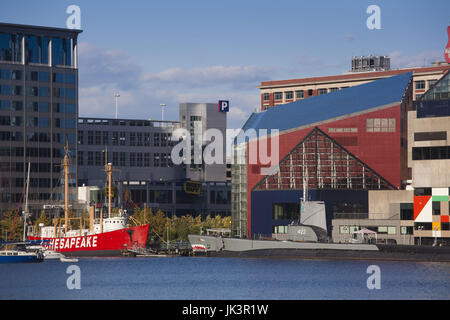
(201, 278)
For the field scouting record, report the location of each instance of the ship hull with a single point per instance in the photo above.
(112, 243)
(21, 259)
(246, 248)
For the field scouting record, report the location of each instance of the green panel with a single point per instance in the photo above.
(440, 198)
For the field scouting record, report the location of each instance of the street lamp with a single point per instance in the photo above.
(162, 111)
(116, 96)
(420, 228)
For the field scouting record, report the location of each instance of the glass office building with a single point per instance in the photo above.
(38, 112)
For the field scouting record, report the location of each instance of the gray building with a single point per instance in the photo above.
(207, 116)
(140, 151)
(38, 111)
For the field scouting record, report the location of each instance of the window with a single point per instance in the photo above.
(122, 139)
(115, 138)
(43, 122)
(323, 91)
(140, 142)
(406, 230)
(80, 158)
(380, 125)
(334, 89)
(420, 84)
(391, 230)
(431, 153)
(339, 130)
(17, 91)
(163, 160)
(80, 137)
(115, 157)
(132, 138)
(156, 139)
(146, 159)
(280, 229)
(266, 96)
(436, 208)
(98, 137)
(44, 76)
(344, 230)
(163, 139)
(382, 230)
(430, 136)
(289, 95)
(299, 94)
(90, 158)
(70, 93)
(406, 211)
(139, 159)
(431, 83)
(105, 138)
(5, 105)
(132, 159)
(5, 74)
(422, 191)
(278, 96)
(156, 159)
(146, 139)
(5, 89)
(17, 105)
(98, 158)
(36, 49)
(90, 137)
(122, 158)
(61, 51)
(285, 211)
(10, 47)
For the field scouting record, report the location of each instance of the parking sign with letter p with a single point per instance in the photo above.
(223, 106)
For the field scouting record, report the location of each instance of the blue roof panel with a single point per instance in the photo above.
(335, 104)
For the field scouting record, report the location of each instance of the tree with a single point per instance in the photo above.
(11, 221)
(42, 219)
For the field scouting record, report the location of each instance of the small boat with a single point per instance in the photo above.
(19, 256)
(65, 259)
(52, 255)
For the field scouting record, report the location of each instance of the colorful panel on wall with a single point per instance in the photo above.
(437, 204)
(422, 209)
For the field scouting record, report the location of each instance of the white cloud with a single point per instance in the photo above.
(234, 76)
(103, 72)
(400, 60)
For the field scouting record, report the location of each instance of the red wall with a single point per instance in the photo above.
(379, 150)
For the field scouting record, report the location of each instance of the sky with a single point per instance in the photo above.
(174, 51)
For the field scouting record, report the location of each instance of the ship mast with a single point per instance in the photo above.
(65, 164)
(108, 170)
(25, 213)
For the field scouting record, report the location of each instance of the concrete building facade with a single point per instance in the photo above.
(419, 214)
